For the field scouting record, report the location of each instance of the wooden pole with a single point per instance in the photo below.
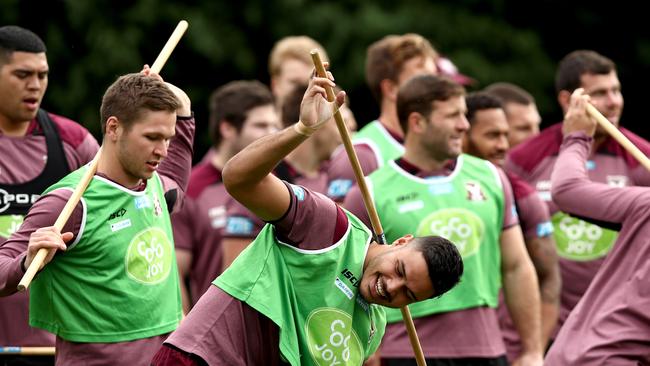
(40, 256)
(367, 200)
(618, 136)
(27, 351)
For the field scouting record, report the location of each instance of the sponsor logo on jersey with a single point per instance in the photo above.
(239, 225)
(474, 191)
(331, 338)
(299, 192)
(460, 226)
(544, 229)
(157, 207)
(120, 225)
(617, 180)
(354, 281)
(6, 199)
(142, 202)
(116, 214)
(149, 256)
(339, 188)
(543, 188)
(217, 216)
(579, 240)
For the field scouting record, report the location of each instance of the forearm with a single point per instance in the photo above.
(522, 298)
(544, 257)
(10, 270)
(254, 163)
(178, 163)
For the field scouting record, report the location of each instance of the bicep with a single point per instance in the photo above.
(513, 250)
(269, 199)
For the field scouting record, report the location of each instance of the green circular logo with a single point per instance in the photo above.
(331, 339)
(9, 224)
(579, 240)
(462, 227)
(149, 257)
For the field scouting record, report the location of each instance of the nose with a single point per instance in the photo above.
(34, 83)
(502, 143)
(161, 149)
(394, 286)
(463, 123)
(614, 98)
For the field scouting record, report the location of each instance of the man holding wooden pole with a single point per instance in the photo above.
(111, 292)
(306, 291)
(582, 244)
(37, 148)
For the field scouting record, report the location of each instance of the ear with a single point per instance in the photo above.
(389, 90)
(416, 122)
(563, 98)
(403, 240)
(227, 130)
(113, 128)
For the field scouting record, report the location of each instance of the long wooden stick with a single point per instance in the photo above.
(40, 256)
(618, 136)
(28, 351)
(367, 200)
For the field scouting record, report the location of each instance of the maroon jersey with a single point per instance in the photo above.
(611, 322)
(224, 331)
(198, 226)
(25, 159)
(582, 246)
(174, 173)
(467, 333)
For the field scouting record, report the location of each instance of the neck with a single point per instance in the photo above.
(305, 160)
(13, 129)
(422, 158)
(388, 117)
(222, 155)
(111, 167)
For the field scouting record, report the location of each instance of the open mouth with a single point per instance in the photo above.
(31, 103)
(153, 165)
(379, 287)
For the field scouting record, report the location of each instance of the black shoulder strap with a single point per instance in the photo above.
(55, 153)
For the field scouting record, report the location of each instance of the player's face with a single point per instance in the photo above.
(144, 145)
(524, 121)
(445, 128)
(260, 121)
(292, 72)
(416, 66)
(397, 277)
(23, 80)
(605, 93)
(488, 137)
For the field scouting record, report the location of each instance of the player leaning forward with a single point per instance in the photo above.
(307, 290)
(111, 293)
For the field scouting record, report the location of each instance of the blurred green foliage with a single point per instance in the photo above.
(90, 43)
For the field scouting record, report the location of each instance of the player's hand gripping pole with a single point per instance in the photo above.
(618, 136)
(367, 200)
(40, 256)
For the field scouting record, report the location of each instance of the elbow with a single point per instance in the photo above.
(229, 177)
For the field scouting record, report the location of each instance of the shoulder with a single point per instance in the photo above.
(520, 188)
(202, 175)
(530, 153)
(615, 148)
(71, 132)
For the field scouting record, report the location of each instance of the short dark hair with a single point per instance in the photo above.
(444, 262)
(479, 101)
(132, 94)
(578, 63)
(291, 105)
(510, 93)
(14, 38)
(232, 102)
(385, 58)
(419, 93)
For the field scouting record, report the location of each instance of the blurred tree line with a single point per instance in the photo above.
(90, 43)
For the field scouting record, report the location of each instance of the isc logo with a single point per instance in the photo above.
(6, 199)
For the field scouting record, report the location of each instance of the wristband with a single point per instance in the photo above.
(303, 129)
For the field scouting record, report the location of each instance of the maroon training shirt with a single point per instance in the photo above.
(23, 159)
(610, 325)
